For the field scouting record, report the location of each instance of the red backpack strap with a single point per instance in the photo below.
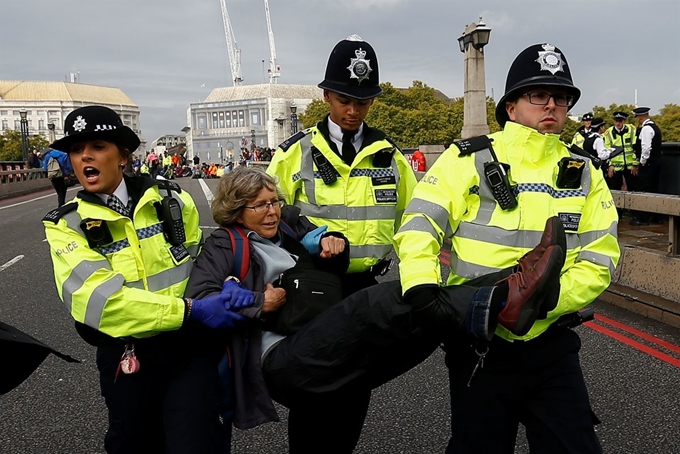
(285, 228)
(241, 248)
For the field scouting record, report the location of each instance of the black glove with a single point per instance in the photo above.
(434, 310)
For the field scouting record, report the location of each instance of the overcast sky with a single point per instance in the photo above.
(165, 54)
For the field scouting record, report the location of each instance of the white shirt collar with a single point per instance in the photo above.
(121, 192)
(335, 131)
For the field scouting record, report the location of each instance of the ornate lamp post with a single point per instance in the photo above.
(293, 119)
(472, 43)
(24, 135)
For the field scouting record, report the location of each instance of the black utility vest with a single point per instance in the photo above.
(588, 144)
(656, 141)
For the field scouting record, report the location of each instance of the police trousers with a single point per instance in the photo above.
(170, 405)
(538, 383)
(325, 372)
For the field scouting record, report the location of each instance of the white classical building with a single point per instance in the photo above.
(233, 117)
(48, 103)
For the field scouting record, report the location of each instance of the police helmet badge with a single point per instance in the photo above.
(360, 67)
(550, 60)
(79, 124)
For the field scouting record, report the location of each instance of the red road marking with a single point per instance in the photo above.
(635, 344)
(638, 333)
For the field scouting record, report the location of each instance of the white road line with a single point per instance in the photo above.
(206, 190)
(11, 262)
(54, 194)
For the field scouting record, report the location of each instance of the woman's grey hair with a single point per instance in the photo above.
(234, 191)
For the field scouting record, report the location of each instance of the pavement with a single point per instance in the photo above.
(653, 236)
(631, 365)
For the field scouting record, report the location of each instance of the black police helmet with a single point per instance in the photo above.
(92, 123)
(352, 69)
(537, 65)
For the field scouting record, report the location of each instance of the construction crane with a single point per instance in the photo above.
(232, 47)
(274, 69)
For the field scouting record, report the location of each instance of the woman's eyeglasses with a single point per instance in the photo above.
(264, 207)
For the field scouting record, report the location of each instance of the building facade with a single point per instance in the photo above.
(48, 103)
(231, 118)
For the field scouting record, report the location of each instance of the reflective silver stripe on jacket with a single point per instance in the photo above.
(98, 299)
(169, 277)
(436, 212)
(78, 276)
(597, 258)
(527, 239)
(469, 270)
(420, 224)
(351, 213)
(369, 250)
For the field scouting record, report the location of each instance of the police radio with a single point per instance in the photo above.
(326, 169)
(171, 216)
(497, 177)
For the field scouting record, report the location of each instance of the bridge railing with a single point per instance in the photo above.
(18, 181)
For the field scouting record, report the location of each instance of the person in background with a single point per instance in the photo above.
(648, 153)
(491, 196)
(58, 182)
(34, 163)
(582, 132)
(121, 267)
(352, 178)
(624, 166)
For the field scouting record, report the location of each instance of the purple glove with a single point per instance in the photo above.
(213, 311)
(237, 297)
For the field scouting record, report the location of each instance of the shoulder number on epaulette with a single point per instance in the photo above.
(58, 213)
(472, 145)
(289, 142)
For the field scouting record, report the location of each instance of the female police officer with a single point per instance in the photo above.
(122, 252)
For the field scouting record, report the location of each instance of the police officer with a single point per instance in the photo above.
(594, 143)
(492, 217)
(624, 165)
(122, 251)
(648, 153)
(582, 132)
(352, 178)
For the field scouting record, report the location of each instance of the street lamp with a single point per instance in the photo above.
(472, 43)
(24, 135)
(293, 119)
(252, 140)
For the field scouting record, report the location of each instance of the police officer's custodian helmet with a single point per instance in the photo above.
(352, 69)
(537, 65)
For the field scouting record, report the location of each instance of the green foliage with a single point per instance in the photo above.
(10, 145)
(668, 122)
(420, 115)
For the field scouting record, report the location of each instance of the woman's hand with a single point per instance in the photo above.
(273, 298)
(331, 246)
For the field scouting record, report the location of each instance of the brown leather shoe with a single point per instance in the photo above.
(527, 289)
(553, 235)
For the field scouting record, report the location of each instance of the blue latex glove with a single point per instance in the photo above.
(312, 241)
(237, 296)
(213, 311)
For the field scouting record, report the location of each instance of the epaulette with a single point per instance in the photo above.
(394, 144)
(473, 145)
(289, 142)
(169, 184)
(58, 213)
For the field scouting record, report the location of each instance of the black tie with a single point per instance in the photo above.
(348, 150)
(116, 205)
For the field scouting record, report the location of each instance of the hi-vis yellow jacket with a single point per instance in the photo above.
(626, 140)
(452, 201)
(134, 285)
(366, 201)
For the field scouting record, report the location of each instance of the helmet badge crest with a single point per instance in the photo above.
(360, 67)
(550, 60)
(79, 124)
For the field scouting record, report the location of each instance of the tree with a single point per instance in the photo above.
(668, 122)
(10, 145)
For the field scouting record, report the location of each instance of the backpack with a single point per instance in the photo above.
(309, 291)
(54, 169)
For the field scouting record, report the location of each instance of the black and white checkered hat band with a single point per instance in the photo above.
(105, 128)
